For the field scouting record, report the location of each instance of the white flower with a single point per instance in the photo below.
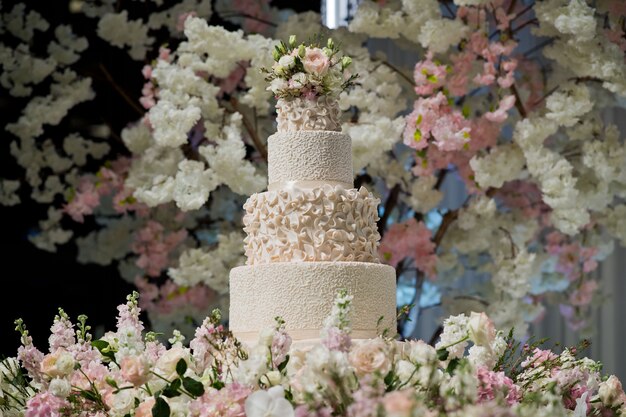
(503, 163)
(286, 61)
(423, 197)
(119, 31)
(278, 84)
(481, 329)
(193, 184)
(454, 330)
(166, 364)
(611, 392)
(439, 34)
(566, 105)
(513, 274)
(270, 403)
(60, 387)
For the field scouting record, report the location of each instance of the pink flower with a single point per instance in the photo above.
(134, 370)
(370, 356)
(509, 77)
(410, 239)
(491, 383)
(501, 113)
(539, 357)
(503, 19)
(146, 71)
(583, 295)
(336, 339)
(398, 403)
(281, 342)
(227, 402)
(45, 405)
(153, 246)
(84, 201)
(180, 22)
(315, 61)
(145, 408)
(428, 76)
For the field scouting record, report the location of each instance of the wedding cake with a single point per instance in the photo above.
(312, 233)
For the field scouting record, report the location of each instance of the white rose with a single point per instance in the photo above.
(60, 387)
(120, 403)
(405, 370)
(298, 80)
(420, 352)
(278, 84)
(481, 329)
(611, 392)
(270, 403)
(166, 364)
(286, 61)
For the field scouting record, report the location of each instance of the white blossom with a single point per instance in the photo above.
(121, 32)
(8, 192)
(192, 186)
(503, 163)
(566, 105)
(423, 196)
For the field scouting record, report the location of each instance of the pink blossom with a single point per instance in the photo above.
(30, 358)
(509, 69)
(153, 246)
(503, 19)
(583, 295)
(62, 334)
(428, 76)
(501, 113)
(232, 81)
(399, 403)
(180, 22)
(146, 71)
(538, 357)
(617, 36)
(45, 404)
(165, 54)
(281, 342)
(85, 200)
(488, 76)
(462, 65)
(227, 402)
(255, 9)
(337, 339)
(451, 132)
(491, 383)
(148, 95)
(412, 240)
(305, 411)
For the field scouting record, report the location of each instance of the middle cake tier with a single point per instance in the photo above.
(326, 223)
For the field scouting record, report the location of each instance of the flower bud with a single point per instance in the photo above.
(292, 40)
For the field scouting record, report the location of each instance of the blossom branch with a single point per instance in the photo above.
(390, 204)
(518, 102)
(120, 90)
(397, 71)
(251, 130)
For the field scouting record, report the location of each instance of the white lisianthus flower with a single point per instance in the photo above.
(60, 387)
(286, 61)
(481, 329)
(166, 364)
(278, 84)
(611, 392)
(298, 80)
(270, 403)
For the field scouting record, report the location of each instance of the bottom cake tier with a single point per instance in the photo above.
(302, 293)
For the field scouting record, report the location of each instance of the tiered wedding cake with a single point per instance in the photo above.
(311, 233)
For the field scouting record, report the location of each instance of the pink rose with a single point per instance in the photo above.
(370, 356)
(145, 408)
(57, 364)
(316, 61)
(398, 403)
(134, 370)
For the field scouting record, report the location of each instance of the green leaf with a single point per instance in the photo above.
(104, 348)
(181, 367)
(193, 387)
(442, 354)
(454, 363)
(161, 408)
(218, 385)
(172, 390)
(88, 395)
(283, 365)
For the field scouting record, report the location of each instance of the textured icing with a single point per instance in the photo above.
(303, 294)
(310, 156)
(297, 114)
(320, 224)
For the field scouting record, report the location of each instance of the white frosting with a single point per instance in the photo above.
(303, 294)
(297, 114)
(310, 156)
(320, 224)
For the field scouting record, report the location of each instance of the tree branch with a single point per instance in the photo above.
(397, 70)
(390, 204)
(518, 102)
(121, 91)
(251, 130)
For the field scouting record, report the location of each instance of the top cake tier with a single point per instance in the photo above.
(309, 148)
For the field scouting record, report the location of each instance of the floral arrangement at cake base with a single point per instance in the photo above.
(473, 370)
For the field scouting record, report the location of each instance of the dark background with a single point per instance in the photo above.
(34, 282)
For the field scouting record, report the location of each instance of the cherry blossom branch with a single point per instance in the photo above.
(120, 90)
(246, 16)
(518, 102)
(390, 204)
(251, 130)
(397, 70)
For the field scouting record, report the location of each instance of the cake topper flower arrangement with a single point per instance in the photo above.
(308, 71)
